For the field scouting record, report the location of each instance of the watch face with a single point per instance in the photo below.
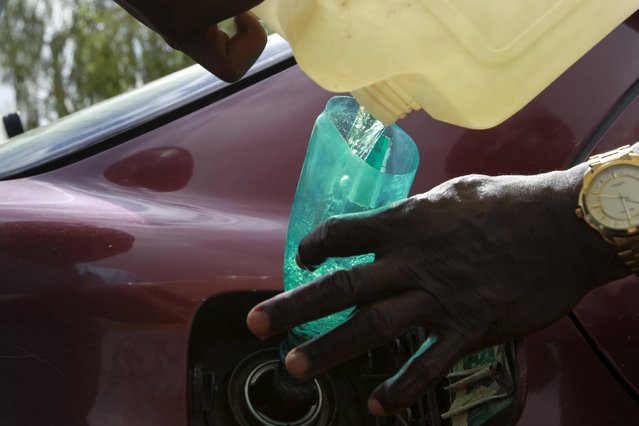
(612, 198)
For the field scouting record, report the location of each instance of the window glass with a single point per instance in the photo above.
(59, 56)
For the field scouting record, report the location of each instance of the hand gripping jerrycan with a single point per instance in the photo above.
(473, 63)
(342, 175)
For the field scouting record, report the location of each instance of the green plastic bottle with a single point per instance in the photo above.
(353, 164)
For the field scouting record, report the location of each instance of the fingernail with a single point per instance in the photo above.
(296, 363)
(258, 322)
(298, 260)
(375, 407)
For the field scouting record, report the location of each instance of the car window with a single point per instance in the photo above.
(60, 56)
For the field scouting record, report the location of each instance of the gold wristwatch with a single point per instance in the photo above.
(609, 201)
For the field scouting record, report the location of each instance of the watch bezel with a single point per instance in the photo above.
(588, 178)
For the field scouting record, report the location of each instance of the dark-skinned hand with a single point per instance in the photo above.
(476, 261)
(191, 26)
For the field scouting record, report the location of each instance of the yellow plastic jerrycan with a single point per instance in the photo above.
(473, 63)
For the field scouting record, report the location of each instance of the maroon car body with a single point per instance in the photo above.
(122, 225)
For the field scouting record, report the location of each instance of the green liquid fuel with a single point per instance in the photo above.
(354, 164)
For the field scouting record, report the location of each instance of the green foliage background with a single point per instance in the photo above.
(64, 55)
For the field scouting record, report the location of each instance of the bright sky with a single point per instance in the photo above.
(7, 105)
(7, 99)
(7, 94)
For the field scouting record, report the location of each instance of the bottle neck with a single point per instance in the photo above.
(386, 100)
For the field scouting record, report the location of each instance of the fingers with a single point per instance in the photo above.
(423, 371)
(228, 58)
(330, 293)
(341, 237)
(246, 45)
(372, 326)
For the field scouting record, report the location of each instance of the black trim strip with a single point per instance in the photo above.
(615, 112)
(603, 357)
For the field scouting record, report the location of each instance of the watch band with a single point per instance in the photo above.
(606, 157)
(630, 257)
